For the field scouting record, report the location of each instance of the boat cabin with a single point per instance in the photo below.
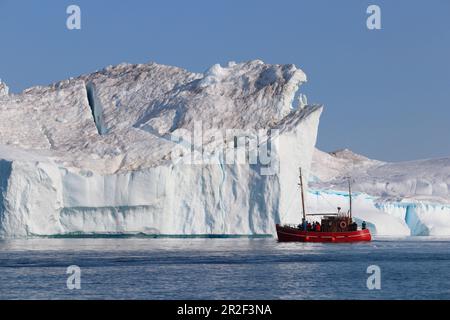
(338, 224)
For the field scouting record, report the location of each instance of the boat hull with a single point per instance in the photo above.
(290, 234)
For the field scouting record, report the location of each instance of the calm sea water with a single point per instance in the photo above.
(411, 268)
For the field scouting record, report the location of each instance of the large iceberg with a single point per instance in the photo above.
(118, 151)
(403, 198)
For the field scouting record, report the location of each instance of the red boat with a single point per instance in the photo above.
(334, 227)
(294, 234)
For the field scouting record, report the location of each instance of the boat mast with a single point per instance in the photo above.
(350, 195)
(303, 195)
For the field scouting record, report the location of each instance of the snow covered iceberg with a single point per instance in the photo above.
(404, 198)
(95, 154)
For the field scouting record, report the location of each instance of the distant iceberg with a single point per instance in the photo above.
(404, 198)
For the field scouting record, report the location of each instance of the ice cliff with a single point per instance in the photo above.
(117, 151)
(395, 198)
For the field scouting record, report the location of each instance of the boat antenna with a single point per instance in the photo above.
(350, 195)
(302, 194)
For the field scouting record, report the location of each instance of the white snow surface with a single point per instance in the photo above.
(94, 154)
(415, 194)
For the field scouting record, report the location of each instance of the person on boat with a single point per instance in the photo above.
(317, 228)
(309, 226)
(364, 226)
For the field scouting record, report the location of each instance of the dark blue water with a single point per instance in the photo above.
(412, 268)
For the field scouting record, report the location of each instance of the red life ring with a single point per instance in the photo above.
(343, 224)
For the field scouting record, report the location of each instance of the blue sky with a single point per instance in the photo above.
(386, 92)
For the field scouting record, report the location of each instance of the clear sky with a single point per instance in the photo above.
(386, 92)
